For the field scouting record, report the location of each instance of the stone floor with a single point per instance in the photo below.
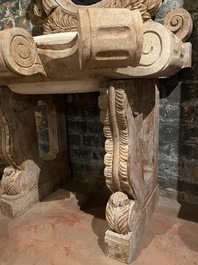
(68, 228)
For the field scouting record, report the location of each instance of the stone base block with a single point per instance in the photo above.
(118, 246)
(14, 206)
(122, 247)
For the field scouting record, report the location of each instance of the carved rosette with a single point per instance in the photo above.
(18, 52)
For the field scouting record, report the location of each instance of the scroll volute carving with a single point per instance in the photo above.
(18, 52)
(109, 38)
(179, 22)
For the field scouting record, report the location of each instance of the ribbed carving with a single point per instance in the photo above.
(108, 159)
(113, 104)
(17, 181)
(117, 212)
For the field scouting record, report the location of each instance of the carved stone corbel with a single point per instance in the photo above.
(129, 112)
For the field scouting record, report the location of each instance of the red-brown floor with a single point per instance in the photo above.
(69, 229)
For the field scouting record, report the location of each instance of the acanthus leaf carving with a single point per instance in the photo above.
(17, 181)
(113, 115)
(61, 16)
(121, 213)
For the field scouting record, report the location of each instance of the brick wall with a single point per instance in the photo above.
(178, 147)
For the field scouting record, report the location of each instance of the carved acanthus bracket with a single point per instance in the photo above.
(129, 112)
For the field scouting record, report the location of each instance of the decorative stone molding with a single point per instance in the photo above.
(120, 213)
(129, 112)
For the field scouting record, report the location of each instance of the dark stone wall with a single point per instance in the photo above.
(178, 146)
(19, 13)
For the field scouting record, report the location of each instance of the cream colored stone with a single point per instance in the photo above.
(180, 23)
(93, 53)
(17, 181)
(109, 38)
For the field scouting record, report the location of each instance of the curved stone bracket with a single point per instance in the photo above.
(129, 112)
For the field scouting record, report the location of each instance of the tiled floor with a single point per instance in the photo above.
(68, 228)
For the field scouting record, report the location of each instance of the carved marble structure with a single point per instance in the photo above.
(113, 47)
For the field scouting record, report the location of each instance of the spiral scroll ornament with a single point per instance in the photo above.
(19, 53)
(180, 23)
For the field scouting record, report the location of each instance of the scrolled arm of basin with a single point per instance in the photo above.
(18, 53)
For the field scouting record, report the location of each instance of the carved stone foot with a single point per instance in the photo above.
(129, 112)
(122, 246)
(33, 173)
